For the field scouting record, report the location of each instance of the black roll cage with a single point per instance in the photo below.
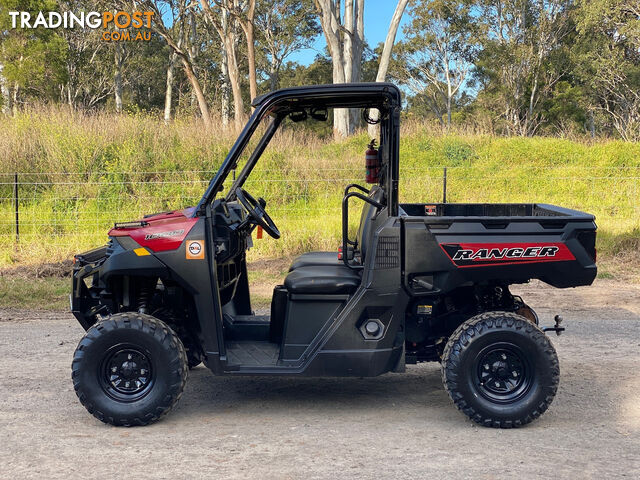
(278, 104)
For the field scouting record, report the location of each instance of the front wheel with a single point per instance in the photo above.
(500, 370)
(129, 369)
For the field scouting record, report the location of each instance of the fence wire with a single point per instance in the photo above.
(62, 207)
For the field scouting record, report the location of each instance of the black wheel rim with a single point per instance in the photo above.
(503, 373)
(127, 373)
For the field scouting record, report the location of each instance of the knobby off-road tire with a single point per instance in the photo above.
(191, 346)
(500, 369)
(129, 369)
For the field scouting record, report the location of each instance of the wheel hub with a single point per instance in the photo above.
(127, 372)
(502, 373)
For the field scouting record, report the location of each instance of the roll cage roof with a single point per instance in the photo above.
(279, 103)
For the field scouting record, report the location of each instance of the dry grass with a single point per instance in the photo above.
(94, 158)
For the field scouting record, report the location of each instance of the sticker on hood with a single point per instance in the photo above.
(172, 233)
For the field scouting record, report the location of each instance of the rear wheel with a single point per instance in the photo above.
(500, 369)
(129, 369)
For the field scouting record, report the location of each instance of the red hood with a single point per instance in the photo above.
(164, 231)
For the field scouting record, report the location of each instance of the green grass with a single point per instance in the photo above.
(48, 293)
(86, 172)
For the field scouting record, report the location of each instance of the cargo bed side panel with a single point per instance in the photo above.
(451, 252)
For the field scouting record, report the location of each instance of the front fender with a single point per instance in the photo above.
(94, 271)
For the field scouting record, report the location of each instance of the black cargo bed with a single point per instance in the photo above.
(526, 211)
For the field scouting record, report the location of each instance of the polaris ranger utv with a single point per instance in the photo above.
(419, 282)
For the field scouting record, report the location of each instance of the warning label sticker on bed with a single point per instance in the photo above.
(195, 249)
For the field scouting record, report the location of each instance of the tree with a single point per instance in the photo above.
(89, 70)
(246, 18)
(385, 56)
(607, 59)
(32, 60)
(221, 15)
(516, 66)
(168, 95)
(284, 26)
(345, 41)
(435, 57)
(181, 11)
(5, 106)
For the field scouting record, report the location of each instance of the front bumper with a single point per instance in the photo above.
(85, 300)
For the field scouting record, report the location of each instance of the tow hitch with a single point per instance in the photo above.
(556, 328)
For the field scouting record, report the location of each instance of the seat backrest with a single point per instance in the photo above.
(369, 212)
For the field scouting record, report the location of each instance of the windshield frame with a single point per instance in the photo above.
(278, 104)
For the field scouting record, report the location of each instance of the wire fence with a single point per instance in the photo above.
(59, 208)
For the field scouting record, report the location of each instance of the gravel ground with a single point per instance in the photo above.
(394, 426)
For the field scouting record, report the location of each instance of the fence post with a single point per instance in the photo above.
(15, 202)
(444, 185)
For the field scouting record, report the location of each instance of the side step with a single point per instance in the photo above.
(247, 327)
(252, 354)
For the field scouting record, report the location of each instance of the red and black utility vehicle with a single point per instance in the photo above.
(419, 282)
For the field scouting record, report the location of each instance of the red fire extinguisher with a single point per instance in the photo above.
(372, 163)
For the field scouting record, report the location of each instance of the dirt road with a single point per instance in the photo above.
(394, 426)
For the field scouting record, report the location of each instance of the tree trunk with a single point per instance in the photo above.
(14, 101)
(251, 59)
(340, 115)
(224, 69)
(329, 19)
(273, 73)
(195, 84)
(347, 43)
(447, 71)
(4, 92)
(529, 120)
(117, 77)
(227, 33)
(248, 27)
(385, 57)
(234, 79)
(358, 44)
(193, 49)
(356, 60)
(168, 95)
(349, 46)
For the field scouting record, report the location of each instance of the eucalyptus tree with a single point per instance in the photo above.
(517, 66)
(607, 60)
(32, 59)
(435, 58)
(344, 33)
(179, 36)
(284, 27)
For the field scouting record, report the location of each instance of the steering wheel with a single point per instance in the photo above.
(256, 210)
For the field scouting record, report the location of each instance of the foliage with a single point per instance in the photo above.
(33, 59)
(607, 61)
(507, 67)
(284, 26)
(437, 54)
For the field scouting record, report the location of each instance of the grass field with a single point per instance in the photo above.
(80, 173)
